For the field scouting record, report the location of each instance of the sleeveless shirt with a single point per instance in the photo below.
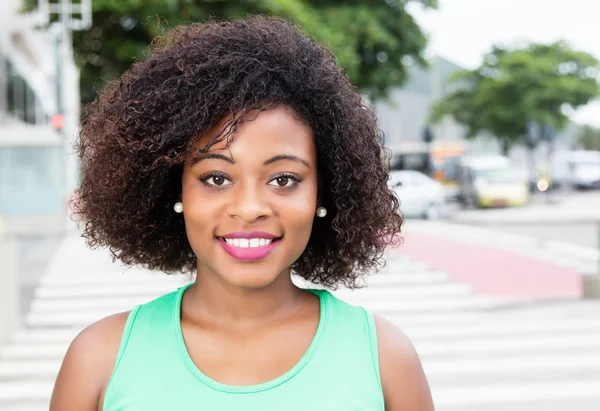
(338, 372)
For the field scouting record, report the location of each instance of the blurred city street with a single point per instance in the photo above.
(492, 138)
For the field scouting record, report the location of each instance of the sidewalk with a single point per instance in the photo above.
(490, 268)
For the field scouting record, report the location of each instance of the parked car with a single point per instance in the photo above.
(490, 181)
(577, 169)
(420, 196)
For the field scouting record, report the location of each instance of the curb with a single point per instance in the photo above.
(591, 285)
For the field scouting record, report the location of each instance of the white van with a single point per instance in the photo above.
(577, 169)
(490, 181)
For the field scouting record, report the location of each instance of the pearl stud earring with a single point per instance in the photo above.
(178, 207)
(321, 212)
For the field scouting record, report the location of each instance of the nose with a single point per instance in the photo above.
(248, 204)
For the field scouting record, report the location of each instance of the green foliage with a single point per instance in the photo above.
(588, 138)
(513, 86)
(368, 37)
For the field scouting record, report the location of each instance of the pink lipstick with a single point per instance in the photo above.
(252, 246)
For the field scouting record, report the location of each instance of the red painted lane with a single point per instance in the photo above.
(493, 271)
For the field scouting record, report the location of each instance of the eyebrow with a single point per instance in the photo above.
(272, 160)
(288, 157)
(207, 156)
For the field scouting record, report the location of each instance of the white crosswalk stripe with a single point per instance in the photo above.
(479, 353)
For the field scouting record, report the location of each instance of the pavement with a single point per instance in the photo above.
(484, 353)
(501, 263)
(487, 269)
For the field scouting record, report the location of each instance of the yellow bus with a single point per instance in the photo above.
(438, 160)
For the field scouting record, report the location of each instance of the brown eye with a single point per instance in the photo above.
(216, 180)
(282, 181)
(285, 181)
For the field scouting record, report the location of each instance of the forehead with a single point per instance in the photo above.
(277, 129)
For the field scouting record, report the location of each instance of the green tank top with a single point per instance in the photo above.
(154, 372)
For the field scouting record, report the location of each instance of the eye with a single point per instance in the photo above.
(285, 181)
(216, 180)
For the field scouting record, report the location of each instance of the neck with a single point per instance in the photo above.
(211, 299)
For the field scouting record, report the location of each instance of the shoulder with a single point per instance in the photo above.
(405, 386)
(88, 365)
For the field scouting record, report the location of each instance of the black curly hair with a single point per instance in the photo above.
(136, 137)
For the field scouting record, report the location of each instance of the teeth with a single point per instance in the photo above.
(248, 243)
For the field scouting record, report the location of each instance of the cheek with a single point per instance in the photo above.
(199, 214)
(298, 215)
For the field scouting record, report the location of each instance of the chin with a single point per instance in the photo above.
(251, 278)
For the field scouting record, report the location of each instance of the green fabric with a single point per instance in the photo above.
(154, 372)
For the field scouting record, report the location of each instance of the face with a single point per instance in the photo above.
(249, 206)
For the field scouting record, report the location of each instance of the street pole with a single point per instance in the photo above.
(3, 83)
(66, 80)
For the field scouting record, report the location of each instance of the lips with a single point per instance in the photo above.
(252, 246)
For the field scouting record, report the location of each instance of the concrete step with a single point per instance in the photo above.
(115, 279)
(564, 395)
(42, 369)
(480, 329)
(428, 305)
(104, 290)
(81, 305)
(31, 389)
(509, 345)
(25, 405)
(530, 368)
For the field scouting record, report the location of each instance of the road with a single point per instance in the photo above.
(562, 227)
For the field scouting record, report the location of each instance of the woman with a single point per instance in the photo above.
(239, 152)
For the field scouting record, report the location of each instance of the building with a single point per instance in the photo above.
(36, 174)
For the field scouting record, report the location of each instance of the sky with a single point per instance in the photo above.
(464, 30)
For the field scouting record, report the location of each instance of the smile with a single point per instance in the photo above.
(248, 249)
(248, 243)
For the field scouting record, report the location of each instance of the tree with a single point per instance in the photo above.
(588, 138)
(516, 87)
(369, 38)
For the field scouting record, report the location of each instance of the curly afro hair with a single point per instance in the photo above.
(136, 137)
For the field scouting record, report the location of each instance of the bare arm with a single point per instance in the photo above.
(405, 387)
(88, 365)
